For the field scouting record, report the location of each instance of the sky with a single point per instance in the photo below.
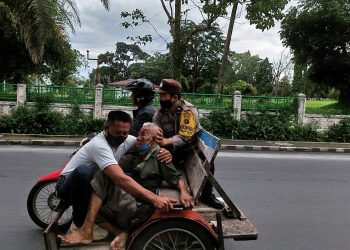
(100, 30)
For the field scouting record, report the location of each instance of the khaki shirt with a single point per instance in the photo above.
(182, 126)
(150, 172)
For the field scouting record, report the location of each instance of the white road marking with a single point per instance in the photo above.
(287, 155)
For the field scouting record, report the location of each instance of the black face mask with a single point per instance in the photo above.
(115, 141)
(165, 104)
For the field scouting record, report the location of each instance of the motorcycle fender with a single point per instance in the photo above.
(53, 176)
(178, 214)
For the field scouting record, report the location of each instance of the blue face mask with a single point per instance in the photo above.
(143, 149)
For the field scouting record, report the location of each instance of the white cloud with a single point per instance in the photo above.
(100, 30)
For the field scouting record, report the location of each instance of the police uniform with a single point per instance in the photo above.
(182, 127)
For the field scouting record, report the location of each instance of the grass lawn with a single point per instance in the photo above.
(325, 107)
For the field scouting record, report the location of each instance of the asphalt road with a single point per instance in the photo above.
(297, 201)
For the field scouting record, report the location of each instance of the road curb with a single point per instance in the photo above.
(39, 142)
(226, 147)
(283, 148)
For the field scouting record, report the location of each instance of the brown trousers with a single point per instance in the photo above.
(118, 206)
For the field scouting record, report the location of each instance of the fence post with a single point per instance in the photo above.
(237, 105)
(98, 101)
(301, 108)
(21, 94)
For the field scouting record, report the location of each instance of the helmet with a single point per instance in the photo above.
(142, 89)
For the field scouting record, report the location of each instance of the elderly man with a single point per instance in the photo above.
(102, 154)
(120, 210)
(179, 121)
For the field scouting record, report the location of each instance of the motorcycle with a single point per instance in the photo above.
(43, 204)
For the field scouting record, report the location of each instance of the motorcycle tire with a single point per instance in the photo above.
(173, 234)
(42, 203)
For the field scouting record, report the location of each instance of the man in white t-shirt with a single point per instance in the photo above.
(103, 152)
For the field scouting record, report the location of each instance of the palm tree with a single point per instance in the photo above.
(39, 20)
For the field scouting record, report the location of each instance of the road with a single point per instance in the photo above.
(297, 201)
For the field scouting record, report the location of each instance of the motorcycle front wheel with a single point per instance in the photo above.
(42, 206)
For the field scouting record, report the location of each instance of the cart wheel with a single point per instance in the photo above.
(42, 206)
(173, 234)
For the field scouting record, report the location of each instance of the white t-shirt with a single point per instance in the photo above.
(99, 153)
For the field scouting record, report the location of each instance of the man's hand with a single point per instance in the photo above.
(164, 203)
(186, 200)
(164, 156)
(161, 140)
(160, 136)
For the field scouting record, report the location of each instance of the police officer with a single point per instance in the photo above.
(179, 121)
(142, 96)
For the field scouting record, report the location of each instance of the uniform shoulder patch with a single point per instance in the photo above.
(187, 123)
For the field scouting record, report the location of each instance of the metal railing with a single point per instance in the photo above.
(114, 96)
(8, 92)
(208, 101)
(267, 103)
(62, 94)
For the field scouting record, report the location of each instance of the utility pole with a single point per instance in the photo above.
(97, 69)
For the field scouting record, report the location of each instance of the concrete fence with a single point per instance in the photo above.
(100, 110)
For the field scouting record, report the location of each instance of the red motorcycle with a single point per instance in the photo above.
(43, 203)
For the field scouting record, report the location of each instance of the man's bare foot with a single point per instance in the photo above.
(77, 237)
(119, 241)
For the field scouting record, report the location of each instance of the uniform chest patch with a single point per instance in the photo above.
(187, 123)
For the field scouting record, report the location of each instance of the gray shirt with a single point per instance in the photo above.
(98, 153)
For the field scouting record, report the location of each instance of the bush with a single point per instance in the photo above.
(5, 126)
(242, 86)
(263, 126)
(221, 123)
(40, 119)
(305, 133)
(31, 120)
(339, 132)
(80, 123)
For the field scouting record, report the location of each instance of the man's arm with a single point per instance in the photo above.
(185, 197)
(174, 178)
(189, 126)
(131, 186)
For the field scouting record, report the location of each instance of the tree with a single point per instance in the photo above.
(251, 69)
(61, 62)
(241, 86)
(283, 88)
(282, 66)
(243, 66)
(120, 60)
(30, 26)
(154, 68)
(299, 79)
(318, 32)
(201, 61)
(263, 77)
(15, 62)
(177, 13)
(177, 18)
(262, 13)
(107, 75)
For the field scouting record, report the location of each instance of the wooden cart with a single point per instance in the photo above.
(200, 228)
